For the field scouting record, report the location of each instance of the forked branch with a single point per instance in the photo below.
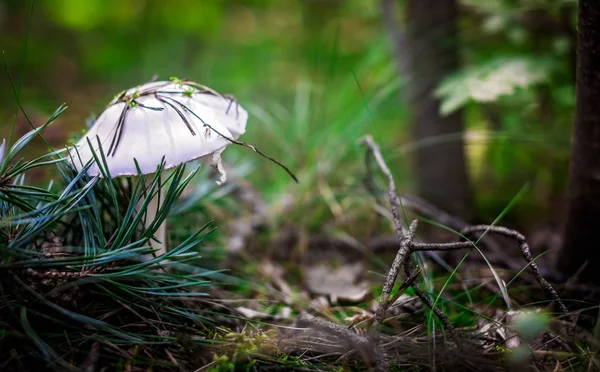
(407, 245)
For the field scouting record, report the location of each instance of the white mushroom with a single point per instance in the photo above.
(178, 120)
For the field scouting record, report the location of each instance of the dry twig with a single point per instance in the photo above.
(427, 300)
(408, 246)
(371, 346)
(399, 261)
(525, 252)
(406, 242)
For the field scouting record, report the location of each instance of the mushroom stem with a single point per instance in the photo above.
(161, 234)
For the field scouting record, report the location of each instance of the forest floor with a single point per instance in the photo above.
(440, 296)
(479, 303)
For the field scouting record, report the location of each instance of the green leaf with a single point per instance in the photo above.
(491, 80)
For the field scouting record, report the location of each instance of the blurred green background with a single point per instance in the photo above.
(315, 75)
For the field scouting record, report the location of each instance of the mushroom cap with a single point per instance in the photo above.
(181, 121)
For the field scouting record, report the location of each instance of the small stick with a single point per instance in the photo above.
(406, 242)
(400, 260)
(500, 230)
(407, 246)
(427, 300)
(392, 193)
(525, 252)
(440, 246)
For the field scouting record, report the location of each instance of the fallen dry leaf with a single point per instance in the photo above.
(341, 283)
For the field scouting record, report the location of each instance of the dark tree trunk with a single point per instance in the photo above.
(427, 53)
(582, 227)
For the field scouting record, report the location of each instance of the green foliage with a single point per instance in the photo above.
(311, 98)
(488, 82)
(70, 259)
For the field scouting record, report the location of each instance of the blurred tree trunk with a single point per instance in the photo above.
(581, 233)
(427, 52)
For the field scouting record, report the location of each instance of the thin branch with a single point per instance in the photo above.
(408, 246)
(440, 246)
(424, 208)
(427, 300)
(525, 252)
(392, 193)
(403, 256)
(400, 260)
